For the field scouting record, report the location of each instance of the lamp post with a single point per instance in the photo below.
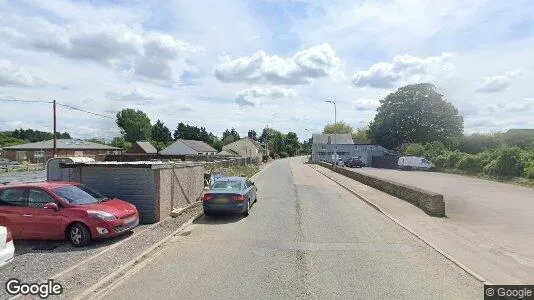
(335, 132)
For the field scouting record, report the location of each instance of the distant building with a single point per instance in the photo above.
(142, 148)
(188, 147)
(228, 153)
(246, 147)
(43, 151)
(323, 148)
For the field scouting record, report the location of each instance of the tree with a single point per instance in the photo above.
(291, 143)
(230, 136)
(161, 135)
(361, 136)
(252, 134)
(134, 124)
(120, 142)
(341, 127)
(415, 114)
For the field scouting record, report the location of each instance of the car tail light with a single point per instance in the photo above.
(238, 198)
(9, 236)
(208, 197)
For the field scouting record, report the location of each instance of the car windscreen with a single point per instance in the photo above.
(79, 194)
(227, 185)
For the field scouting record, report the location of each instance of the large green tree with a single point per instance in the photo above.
(415, 113)
(291, 143)
(161, 135)
(134, 124)
(341, 127)
(230, 136)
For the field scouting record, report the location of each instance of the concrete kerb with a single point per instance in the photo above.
(96, 289)
(443, 253)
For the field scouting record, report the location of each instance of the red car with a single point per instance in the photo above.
(63, 210)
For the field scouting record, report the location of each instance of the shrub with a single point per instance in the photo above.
(282, 154)
(507, 163)
(529, 171)
(414, 150)
(441, 161)
(433, 149)
(453, 158)
(470, 163)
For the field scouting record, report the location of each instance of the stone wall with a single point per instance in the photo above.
(430, 202)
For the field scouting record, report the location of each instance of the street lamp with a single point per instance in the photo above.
(335, 132)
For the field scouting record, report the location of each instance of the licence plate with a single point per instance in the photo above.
(129, 220)
(221, 200)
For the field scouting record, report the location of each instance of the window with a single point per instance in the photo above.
(230, 185)
(13, 197)
(79, 194)
(38, 198)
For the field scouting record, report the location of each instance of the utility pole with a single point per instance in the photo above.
(54, 151)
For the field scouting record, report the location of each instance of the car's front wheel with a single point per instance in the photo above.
(246, 212)
(79, 235)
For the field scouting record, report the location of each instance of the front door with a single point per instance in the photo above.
(45, 223)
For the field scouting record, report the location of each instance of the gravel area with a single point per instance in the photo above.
(32, 265)
(28, 176)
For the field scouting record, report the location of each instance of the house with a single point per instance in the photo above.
(142, 148)
(188, 147)
(228, 153)
(43, 151)
(323, 148)
(245, 147)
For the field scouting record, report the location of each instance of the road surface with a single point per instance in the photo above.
(305, 238)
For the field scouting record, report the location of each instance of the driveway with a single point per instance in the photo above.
(499, 215)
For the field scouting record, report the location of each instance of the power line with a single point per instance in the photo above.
(27, 101)
(61, 104)
(85, 111)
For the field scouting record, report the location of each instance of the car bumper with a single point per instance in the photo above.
(7, 254)
(105, 229)
(229, 208)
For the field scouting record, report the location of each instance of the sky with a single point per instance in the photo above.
(251, 64)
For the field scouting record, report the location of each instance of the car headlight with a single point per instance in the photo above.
(102, 215)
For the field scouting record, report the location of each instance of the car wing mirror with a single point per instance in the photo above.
(51, 205)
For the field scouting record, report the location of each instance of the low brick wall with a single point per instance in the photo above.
(430, 202)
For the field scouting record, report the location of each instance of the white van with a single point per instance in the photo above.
(415, 163)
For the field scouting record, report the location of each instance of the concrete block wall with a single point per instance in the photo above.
(431, 203)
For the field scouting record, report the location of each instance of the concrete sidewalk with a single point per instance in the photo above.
(499, 259)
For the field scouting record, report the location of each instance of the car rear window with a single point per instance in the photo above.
(230, 185)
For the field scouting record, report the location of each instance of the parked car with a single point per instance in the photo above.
(63, 210)
(230, 194)
(338, 162)
(355, 162)
(7, 163)
(7, 248)
(415, 163)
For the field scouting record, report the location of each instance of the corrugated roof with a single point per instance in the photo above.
(199, 146)
(147, 147)
(340, 139)
(71, 144)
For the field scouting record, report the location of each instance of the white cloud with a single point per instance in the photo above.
(13, 75)
(138, 96)
(366, 104)
(498, 83)
(148, 54)
(314, 62)
(402, 68)
(251, 96)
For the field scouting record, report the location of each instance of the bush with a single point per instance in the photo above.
(441, 161)
(414, 150)
(433, 149)
(282, 154)
(470, 163)
(529, 171)
(507, 163)
(453, 158)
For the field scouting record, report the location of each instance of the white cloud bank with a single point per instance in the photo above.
(251, 96)
(498, 83)
(401, 69)
(306, 65)
(13, 75)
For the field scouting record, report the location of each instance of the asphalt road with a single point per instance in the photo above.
(305, 238)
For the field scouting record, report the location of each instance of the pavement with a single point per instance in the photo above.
(489, 225)
(306, 237)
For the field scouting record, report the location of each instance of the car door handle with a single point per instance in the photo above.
(25, 215)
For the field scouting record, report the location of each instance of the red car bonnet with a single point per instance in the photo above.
(116, 207)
